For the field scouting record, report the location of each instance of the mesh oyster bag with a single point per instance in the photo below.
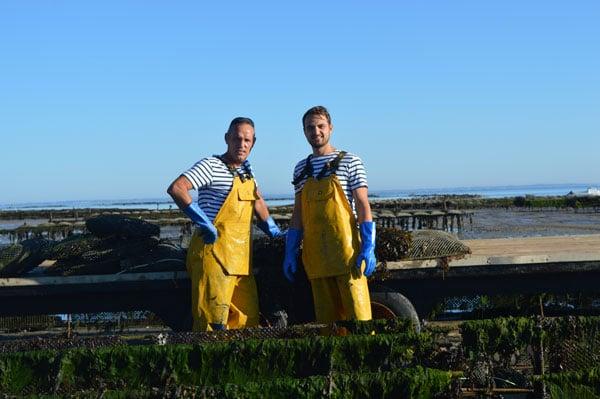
(122, 226)
(430, 244)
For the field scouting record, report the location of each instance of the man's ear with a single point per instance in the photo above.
(254, 142)
(226, 135)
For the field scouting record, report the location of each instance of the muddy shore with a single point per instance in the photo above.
(485, 222)
(504, 223)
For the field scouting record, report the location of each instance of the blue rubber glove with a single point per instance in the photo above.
(367, 250)
(197, 215)
(270, 228)
(292, 245)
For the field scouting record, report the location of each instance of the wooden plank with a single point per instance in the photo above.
(486, 252)
(519, 251)
(92, 279)
(535, 245)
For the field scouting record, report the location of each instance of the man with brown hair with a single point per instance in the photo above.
(331, 210)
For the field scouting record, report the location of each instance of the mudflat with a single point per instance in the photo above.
(503, 223)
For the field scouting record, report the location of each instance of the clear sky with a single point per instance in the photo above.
(114, 99)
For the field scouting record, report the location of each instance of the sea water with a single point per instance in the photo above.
(279, 200)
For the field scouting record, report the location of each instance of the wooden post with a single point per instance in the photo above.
(69, 327)
(539, 386)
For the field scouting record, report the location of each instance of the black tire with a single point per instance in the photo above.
(394, 304)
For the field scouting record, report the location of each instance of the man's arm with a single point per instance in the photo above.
(179, 191)
(367, 231)
(296, 222)
(261, 210)
(265, 221)
(293, 239)
(363, 208)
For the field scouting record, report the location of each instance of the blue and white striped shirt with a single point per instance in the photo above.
(350, 172)
(213, 180)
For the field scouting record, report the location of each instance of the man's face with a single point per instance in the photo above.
(317, 130)
(240, 140)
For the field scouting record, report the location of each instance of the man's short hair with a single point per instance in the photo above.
(240, 120)
(318, 110)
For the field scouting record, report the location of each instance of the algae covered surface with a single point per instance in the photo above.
(388, 363)
(415, 383)
(379, 359)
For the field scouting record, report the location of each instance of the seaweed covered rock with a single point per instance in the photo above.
(116, 243)
(9, 254)
(76, 245)
(74, 268)
(83, 254)
(121, 226)
(20, 258)
(392, 244)
(163, 257)
(168, 250)
(87, 254)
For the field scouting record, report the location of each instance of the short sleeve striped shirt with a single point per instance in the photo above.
(213, 181)
(351, 172)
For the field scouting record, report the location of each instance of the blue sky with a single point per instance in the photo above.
(114, 99)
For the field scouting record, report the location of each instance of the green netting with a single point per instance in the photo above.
(9, 254)
(214, 364)
(17, 259)
(516, 349)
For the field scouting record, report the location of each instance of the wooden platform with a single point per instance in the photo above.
(521, 266)
(496, 267)
(520, 251)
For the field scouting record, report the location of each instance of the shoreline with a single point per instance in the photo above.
(467, 216)
(435, 202)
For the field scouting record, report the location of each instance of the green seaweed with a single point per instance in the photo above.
(210, 364)
(500, 335)
(417, 382)
(574, 384)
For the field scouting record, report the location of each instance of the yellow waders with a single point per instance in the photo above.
(331, 245)
(223, 287)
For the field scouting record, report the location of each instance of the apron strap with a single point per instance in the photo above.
(329, 168)
(245, 175)
(307, 171)
(332, 165)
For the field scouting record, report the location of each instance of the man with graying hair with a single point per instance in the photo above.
(331, 209)
(219, 263)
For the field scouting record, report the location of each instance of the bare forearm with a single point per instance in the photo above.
(261, 210)
(179, 191)
(363, 208)
(296, 222)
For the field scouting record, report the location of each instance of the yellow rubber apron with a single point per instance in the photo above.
(223, 287)
(329, 250)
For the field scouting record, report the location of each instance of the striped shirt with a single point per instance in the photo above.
(350, 172)
(213, 181)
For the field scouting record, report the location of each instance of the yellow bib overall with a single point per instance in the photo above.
(223, 287)
(329, 250)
